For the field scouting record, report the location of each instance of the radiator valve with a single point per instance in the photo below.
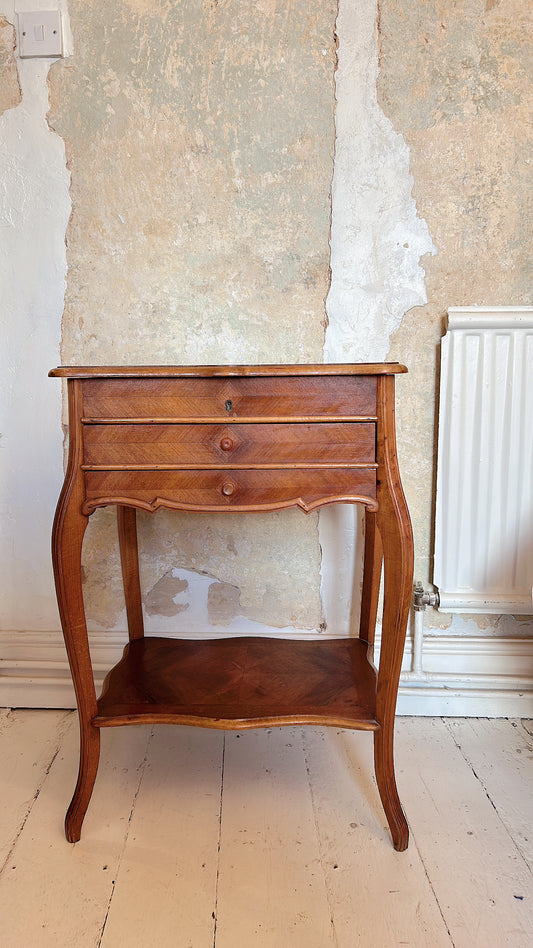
(423, 597)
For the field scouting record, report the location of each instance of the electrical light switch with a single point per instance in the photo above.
(40, 34)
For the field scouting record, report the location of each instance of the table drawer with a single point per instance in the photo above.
(220, 489)
(195, 445)
(169, 399)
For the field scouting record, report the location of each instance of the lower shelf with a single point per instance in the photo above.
(236, 683)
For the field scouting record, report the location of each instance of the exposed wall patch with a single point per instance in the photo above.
(377, 240)
(456, 81)
(10, 92)
(162, 598)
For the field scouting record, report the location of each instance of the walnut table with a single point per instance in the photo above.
(241, 439)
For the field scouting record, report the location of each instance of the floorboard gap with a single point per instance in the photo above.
(60, 737)
(431, 886)
(126, 836)
(319, 841)
(486, 791)
(219, 841)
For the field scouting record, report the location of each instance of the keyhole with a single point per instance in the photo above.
(228, 405)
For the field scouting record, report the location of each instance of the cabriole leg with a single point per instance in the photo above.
(397, 591)
(89, 758)
(386, 781)
(67, 539)
(394, 526)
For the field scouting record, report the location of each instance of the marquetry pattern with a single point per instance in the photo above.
(206, 398)
(236, 681)
(178, 445)
(225, 489)
(229, 443)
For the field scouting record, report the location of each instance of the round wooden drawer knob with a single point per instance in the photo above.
(226, 444)
(228, 488)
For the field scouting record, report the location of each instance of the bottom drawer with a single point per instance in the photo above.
(219, 490)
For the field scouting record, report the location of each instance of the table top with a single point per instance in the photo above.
(225, 371)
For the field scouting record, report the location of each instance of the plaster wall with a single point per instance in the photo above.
(456, 80)
(200, 140)
(34, 210)
(10, 93)
(377, 239)
(429, 208)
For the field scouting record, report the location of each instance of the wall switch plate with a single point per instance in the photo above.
(40, 34)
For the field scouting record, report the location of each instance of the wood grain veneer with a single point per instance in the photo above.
(279, 370)
(222, 683)
(230, 399)
(174, 445)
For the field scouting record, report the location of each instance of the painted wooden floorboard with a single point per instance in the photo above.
(165, 887)
(271, 887)
(501, 755)
(480, 878)
(29, 743)
(53, 893)
(378, 897)
(266, 839)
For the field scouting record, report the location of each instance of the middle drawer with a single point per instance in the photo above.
(126, 446)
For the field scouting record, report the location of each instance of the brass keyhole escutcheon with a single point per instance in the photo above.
(228, 405)
(226, 444)
(228, 488)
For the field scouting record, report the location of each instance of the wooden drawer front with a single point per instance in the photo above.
(167, 399)
(227, 489)
(171, 445)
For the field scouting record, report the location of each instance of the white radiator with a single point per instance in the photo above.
(484, 517)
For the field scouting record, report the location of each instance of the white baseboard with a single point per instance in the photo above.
(471, 676)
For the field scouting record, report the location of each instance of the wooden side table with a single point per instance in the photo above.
(247, 439)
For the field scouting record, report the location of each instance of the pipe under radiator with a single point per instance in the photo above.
(421, 599)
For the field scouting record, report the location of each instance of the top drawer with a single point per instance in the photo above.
(238, 399)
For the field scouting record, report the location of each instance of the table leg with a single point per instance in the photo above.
(67, 540)
(69, 529)
(129, 561)
(394, 526)
(397, 597)
(89, 759)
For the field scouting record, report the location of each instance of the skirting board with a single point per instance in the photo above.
(470, 676)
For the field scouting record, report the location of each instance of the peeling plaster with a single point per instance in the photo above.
(161, 599)
(10, 91)
(204, 549)
(377, 237)
(223, 548)
(223, 603)
(456, 81)
(213, 609)
(377, 240)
